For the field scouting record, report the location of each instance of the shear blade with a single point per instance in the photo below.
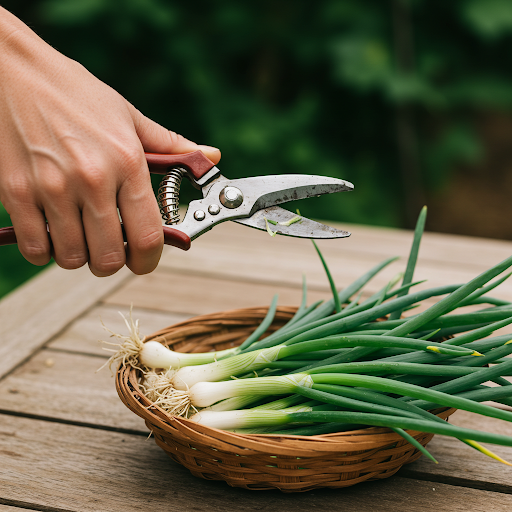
(267, 191)
(304, 228)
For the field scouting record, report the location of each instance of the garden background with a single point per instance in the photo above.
(411, 100)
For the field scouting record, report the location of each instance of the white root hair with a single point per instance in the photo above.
(158, 388)
(128, 347)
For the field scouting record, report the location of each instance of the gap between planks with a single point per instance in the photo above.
(366, 242)
(79, 469)
(37, 311)
(246, 264)
(68, 391)
(487, 508)
(18, 506)
(197, 295)
(83, 335)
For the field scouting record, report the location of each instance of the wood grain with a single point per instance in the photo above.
(4, 508)
(83, 335)
(51, 465)
(82, 469)
(472, 420)
(197, 295)
(40, 309)
(367, 241)
(459, 464)
(252, 263)
(232, 249)
(67, 387)
(232, 252)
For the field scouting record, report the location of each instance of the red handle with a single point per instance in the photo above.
(196, 163)
(172, 236)
(7, 236)
(176, 238)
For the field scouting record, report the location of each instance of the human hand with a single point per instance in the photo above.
(72, 154)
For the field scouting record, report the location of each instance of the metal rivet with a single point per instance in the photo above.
(231, 197)
(199, 215)
(214, 209)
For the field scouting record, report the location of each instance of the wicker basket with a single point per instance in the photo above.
(288, 463)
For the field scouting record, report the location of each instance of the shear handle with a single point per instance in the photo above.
(176, 238)
(172, 236)
(196, 163)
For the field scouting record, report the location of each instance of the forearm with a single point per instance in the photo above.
(73, 157)
(9, 24)
(20, 47)
(15, 36)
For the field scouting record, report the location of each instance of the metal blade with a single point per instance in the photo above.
(304, 228)
(266, 191)
(242, 198)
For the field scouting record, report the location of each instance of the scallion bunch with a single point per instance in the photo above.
(334, 367)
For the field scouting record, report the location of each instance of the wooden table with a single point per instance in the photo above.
(68, 443)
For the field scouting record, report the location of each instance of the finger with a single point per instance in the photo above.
(67, 235)
(156, 139)
(142, 223)
(31, 233)
(104, 237)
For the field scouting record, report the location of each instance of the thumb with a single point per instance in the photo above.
(156, 139)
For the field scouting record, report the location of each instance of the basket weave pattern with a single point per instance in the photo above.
(288, 463)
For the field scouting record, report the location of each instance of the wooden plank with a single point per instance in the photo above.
(461, 465)
(460, 250)
(253, 256)
(82, 469)
(366, 242)
(41, 308)
(264, 260)
(195, 294)
(191, 294)
(83, 335)
(67, 387)
(4, 508)
(7, 508)
(64, 386)
(256, 262)
(472, 420)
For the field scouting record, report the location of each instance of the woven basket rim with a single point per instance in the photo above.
(369, 438)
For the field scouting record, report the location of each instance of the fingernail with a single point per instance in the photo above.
(208, 148)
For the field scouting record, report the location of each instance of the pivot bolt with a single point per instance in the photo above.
(199, 215)
(231, 197)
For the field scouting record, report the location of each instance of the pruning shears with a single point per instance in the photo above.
(248, 201)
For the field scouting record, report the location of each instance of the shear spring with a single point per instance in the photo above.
(169, 196)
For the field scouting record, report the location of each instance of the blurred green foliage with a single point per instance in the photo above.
(294, 86)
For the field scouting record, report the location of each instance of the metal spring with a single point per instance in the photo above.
(169, 196)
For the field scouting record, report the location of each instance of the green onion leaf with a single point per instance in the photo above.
(413, 256)
(291, 221)
(269, 231)
(336, 297)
